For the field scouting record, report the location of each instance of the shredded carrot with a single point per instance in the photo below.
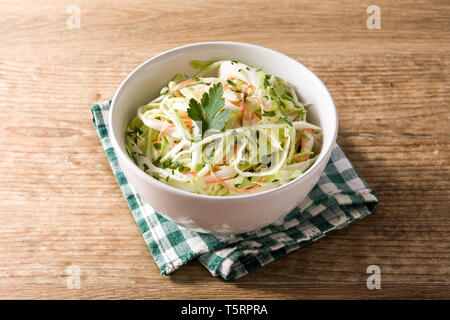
(304, 142)
(214, 180)
(300, 159)
(247, 87)
(180, 85)
(304, 139)
(213, 167)
(187, 121)
(190, 172)
(162, 132)
(244, 110)
(236, 103)
(222, 183)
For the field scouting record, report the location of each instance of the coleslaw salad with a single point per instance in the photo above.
(229, 130)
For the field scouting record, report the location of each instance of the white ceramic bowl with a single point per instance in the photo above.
(212, 214)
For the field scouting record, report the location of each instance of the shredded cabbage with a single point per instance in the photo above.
(267, 140)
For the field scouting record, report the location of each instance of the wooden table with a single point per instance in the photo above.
(61, 207)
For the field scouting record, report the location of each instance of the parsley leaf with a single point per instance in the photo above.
(209, 114)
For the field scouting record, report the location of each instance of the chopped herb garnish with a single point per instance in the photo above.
(266, 80)
(167, 179)
(167, 163)
(231, 83)
(157, 146)
(288, 96)
(157, 163)
(286, 120)
(269, 113)
(145, 167)
(277, 97)
(182, 168)
(259, 69)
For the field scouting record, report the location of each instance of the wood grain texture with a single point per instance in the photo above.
(61, 206)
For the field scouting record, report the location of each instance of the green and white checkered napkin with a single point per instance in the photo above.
(339, 198)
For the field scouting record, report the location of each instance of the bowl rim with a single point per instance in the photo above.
(171, 189)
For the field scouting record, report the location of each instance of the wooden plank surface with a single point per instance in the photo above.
(60, 206)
